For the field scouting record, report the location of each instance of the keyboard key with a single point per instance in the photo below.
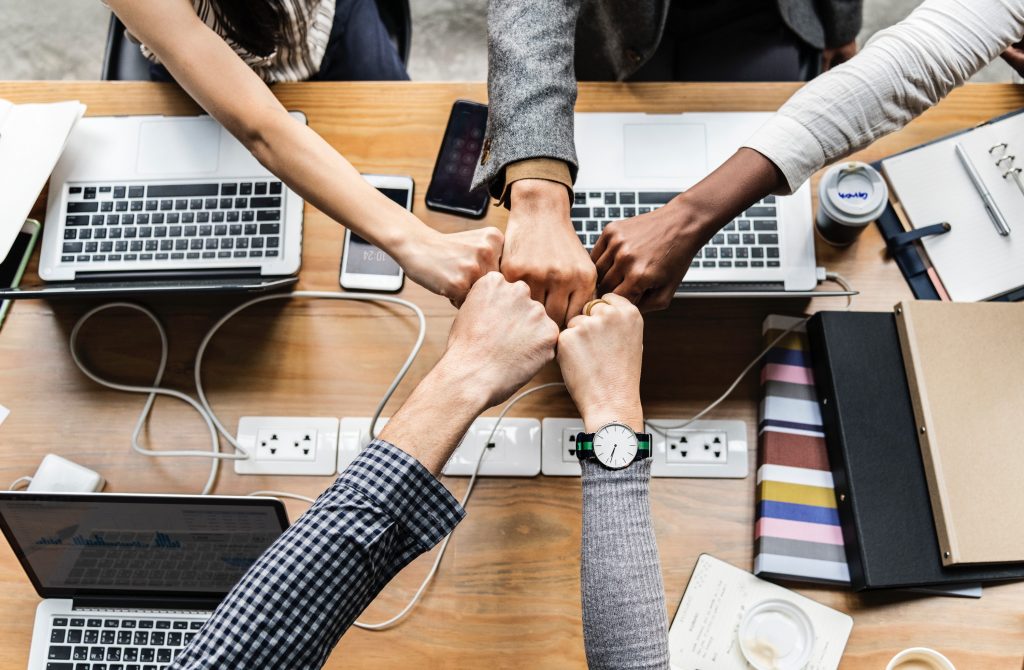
(136, 206)
(759, 212)
(275, 187)
(89, 193)
(741, 252)
(75, 189)
(209, 254)
(769, 200)
(627, 198)
(107, 637)
(160, 231)
(256, 254)
(268, 215)
(773, 264)
(270, 229)
(130, 233)
(151, 245)
(772, 252)
(136, 191)
(270, 201)
(741, 264)
(250, 228)
(223, 254)
(241, 203)
(195, 203)
(57, 634)
(147, 654)
(730, 226)
(172, 217)
(192, 255)
(725, 264)
(241, 242)
(656, 198)
(260, 188)
(72, 248)
(748, 238)
(98, 219)
(167, 245)
(610, 199)
(135, 245)
(579, 212)
(80, 207)
(165, 205)
(718, 239)
(183, 190)
(768, 238)
(226, 203)
(113, 654)
(99, 234)
(174, 231)
(743, 224)
(143, 219)
(219, 230)
(76, 221)
(145, 257)
(189, 231)
(130, 655)
(628, 212)
(227, 243)
(119, 191)
(113, 219)
(67, 259)
(232, 216)
(598, 213)
(195, 243)
(211, 243)
(121, 206)
(274, 242)
(726, 252)
(245, 188)
(151, 205)
(204, 217)
(145, 233)
(228, 189)
(127, 219)
(757, 264)
(710, 252)
(257, 242)
(614, 213)
(579, 198)
(239, 254)
(708, 264)
(83, 259)
(59, 653)
(216, 217)
(106, 247)
(766, 225)
(121, 246)
(732, 238)
(235, 229)
(70, 233)
(180, 204)
(85, 234)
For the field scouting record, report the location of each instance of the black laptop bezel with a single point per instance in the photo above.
(127, 594)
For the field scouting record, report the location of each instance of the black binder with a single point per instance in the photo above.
(870, 434)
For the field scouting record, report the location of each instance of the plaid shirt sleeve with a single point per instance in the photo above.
(294, 604)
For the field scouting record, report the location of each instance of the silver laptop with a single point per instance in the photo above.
(137, 198)
(129, 579)
(633, 163)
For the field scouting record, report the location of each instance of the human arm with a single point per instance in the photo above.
(625, 622)
(387, 507)
(223, 85)
(900, 73)
(531, 86)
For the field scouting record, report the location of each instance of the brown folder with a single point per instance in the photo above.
(965, 369)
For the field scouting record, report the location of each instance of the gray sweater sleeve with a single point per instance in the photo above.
(625, 622)
(531, 86)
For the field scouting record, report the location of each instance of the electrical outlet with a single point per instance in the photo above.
(282, 445)
(697, 446)
(558, 457)
(516, 451)
(725, 454)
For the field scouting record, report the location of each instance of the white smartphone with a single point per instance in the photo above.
(364, 267)
(12, 267)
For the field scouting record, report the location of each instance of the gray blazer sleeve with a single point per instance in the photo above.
(531, 86)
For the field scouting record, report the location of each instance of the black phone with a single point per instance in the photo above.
(457, 159)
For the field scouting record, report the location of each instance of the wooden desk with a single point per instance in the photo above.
(507, 594)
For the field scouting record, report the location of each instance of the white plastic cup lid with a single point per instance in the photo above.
(917, 658)
(853, 193)
(776, 635)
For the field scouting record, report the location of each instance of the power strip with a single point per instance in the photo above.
(288, 445)
(516, 451)
(708, 449)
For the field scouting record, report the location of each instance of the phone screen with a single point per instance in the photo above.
(460, 152)
(366, 259)
(9, 266)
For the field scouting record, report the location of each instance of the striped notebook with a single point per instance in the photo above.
(797, 535)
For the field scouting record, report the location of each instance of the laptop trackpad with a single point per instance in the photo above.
(178, 146)
(675, 150)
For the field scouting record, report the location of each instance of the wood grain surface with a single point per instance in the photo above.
(507, 594)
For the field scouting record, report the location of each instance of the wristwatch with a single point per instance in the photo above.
(614, 446)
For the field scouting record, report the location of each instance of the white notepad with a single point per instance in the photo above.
(32, 138)
(973, 261)
(704, 633)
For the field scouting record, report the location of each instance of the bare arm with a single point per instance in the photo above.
(210, 71)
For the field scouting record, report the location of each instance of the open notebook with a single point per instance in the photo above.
(931, 184)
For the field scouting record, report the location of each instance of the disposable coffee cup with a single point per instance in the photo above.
(919, 658)
(850, 196)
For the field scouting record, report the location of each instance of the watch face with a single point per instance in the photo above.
(615, 446)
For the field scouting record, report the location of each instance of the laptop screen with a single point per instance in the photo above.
(154, 546)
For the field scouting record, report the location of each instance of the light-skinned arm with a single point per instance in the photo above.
(625, 622)
(293, 605)
(223, 85)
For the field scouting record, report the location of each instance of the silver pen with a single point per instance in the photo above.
(1002, 227)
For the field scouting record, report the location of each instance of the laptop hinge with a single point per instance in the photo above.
(144, 603)
(151, 275)
(718, 287)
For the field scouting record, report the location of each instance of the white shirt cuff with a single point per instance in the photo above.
(794, 150)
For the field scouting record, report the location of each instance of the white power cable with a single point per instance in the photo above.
(203, 407)
(384, 625)
(663, 430)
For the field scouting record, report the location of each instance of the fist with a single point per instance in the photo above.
(450, 264)
(500, 338)
(600, 356)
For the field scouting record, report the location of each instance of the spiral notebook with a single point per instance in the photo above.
(973, 261)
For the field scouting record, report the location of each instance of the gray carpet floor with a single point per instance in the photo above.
(64, 39)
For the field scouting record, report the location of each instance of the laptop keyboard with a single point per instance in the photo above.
(751, 240)
(183, 223)
(143, 643)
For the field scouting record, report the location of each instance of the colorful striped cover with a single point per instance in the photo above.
(797, 534)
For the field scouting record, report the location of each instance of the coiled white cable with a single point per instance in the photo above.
(203, 407)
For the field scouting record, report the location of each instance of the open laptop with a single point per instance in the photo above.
(128, 579)
(155, 203)
(631, 163)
